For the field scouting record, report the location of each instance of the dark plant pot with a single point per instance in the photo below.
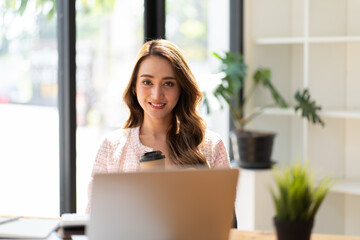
(254, 148)
(293, 230)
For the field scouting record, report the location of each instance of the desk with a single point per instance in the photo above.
(252, 235)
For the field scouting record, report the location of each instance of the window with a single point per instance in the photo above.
(109, 34)
(29, 139)
(108, 38)
(200, 28)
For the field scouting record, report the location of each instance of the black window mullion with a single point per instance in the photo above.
(66, 103)
(154, 19)
(236, 46)
(236, 39)
(236, 26)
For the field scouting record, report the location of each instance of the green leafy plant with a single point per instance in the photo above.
(234, 70)
(297, 198)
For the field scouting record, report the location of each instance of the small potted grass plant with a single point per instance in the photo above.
(297, 200)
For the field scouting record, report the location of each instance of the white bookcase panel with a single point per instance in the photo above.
(327, 17)
(353, 17)
(327, 74)
(330, 218)
(353, 74)
(352, 213)
(312, 44)
(287, 23)
(352, 149)
(326, 148)
(286, 63)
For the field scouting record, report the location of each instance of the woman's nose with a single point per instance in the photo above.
(157, 92)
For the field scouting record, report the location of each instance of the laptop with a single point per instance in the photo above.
(167, 205)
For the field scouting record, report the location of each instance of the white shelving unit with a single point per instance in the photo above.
(312, 44)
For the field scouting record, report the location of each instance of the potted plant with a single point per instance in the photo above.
(254, 147)
(296, 201)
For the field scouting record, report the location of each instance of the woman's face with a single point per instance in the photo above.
(157, 89)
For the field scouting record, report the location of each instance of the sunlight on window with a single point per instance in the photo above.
(200, 28)
(29, 166)
(108, 38)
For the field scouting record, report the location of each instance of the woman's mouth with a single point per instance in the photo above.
(157, 105)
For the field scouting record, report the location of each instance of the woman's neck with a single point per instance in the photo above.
(154, 127)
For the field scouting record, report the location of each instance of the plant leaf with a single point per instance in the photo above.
(263, 76)
(234, 68)
(307, 107)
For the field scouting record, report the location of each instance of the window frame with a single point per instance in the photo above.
(66, 20)
(154, 24)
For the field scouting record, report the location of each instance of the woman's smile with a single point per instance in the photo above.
(157, 105)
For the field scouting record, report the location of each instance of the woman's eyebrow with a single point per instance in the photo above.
(146, 75)
(151, 76)
(169, 78)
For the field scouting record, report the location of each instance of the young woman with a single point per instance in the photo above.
(162, 96)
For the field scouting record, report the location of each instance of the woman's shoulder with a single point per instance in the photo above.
(211, 140)
(212, 137)
(116, 134)
(120, 135)
(214, 150)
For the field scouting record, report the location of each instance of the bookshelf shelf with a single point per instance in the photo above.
(347, 186)
(300, 40)
(344, 114)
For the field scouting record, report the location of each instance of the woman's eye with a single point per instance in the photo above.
(146, 82)
(169, 84)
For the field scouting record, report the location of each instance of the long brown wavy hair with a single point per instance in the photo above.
(187, 129)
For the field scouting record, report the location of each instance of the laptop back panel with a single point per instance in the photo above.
(183, 204)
